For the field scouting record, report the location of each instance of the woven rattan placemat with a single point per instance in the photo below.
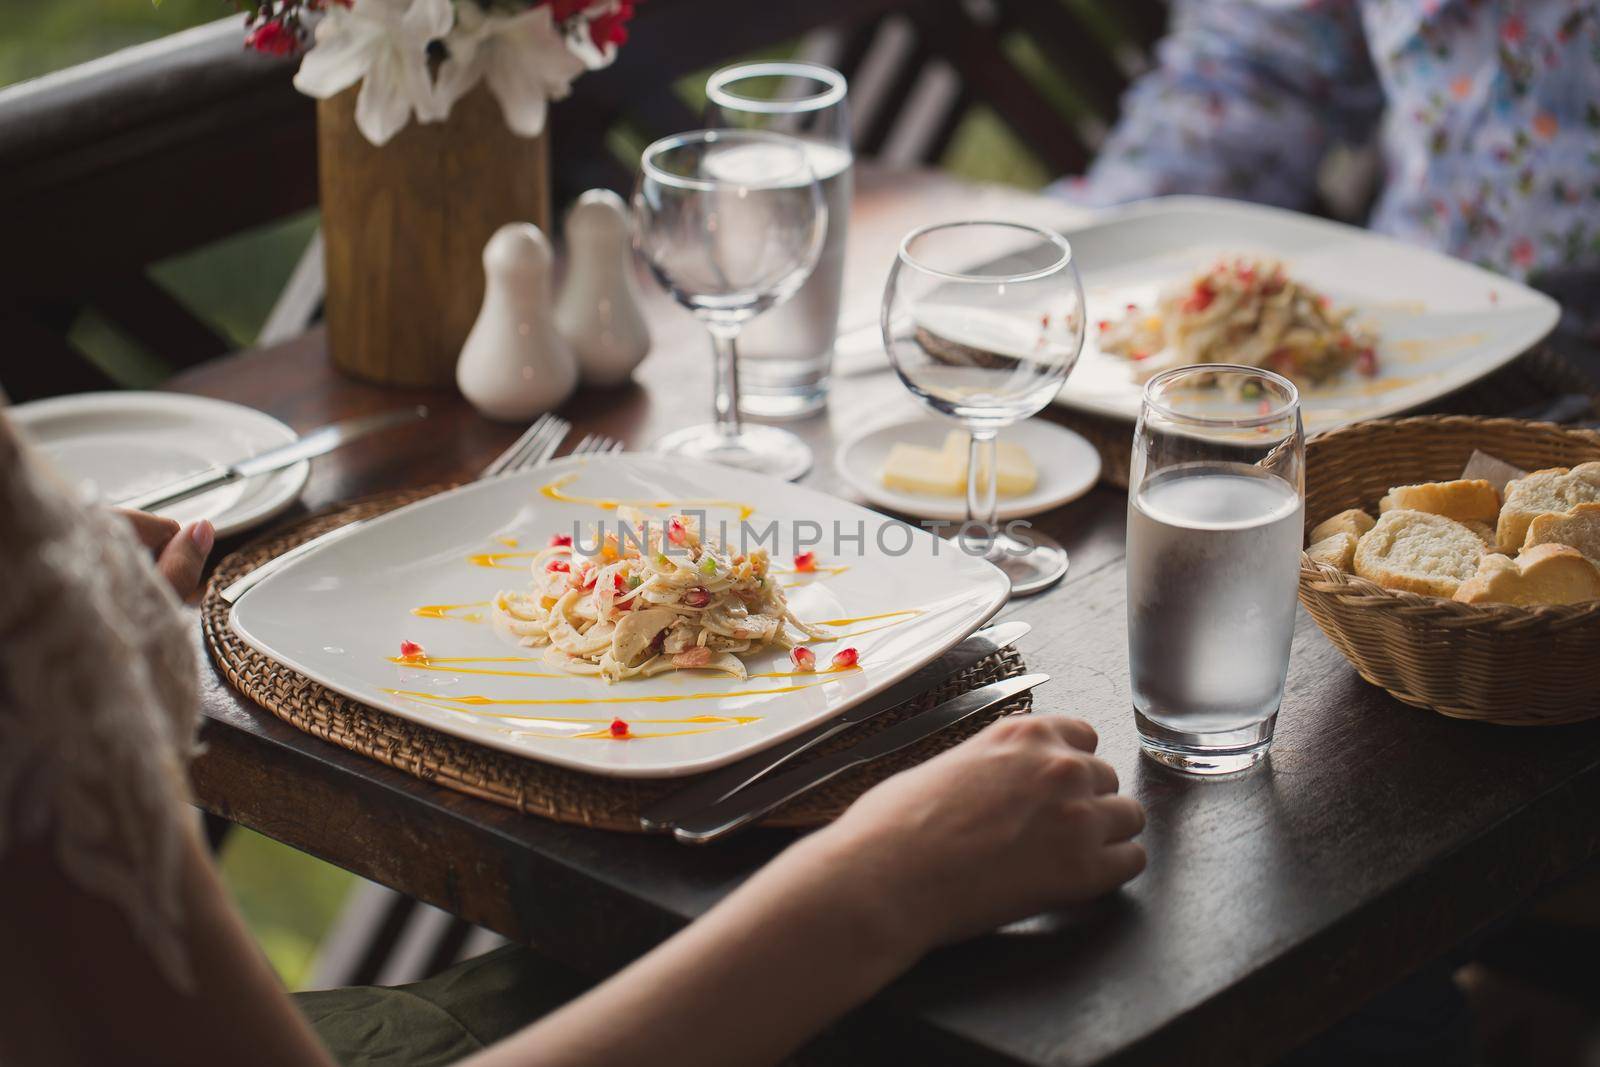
(1535, 378)
(526, 785)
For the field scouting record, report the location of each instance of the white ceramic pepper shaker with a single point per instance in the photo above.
(598, 313)
(514, 364)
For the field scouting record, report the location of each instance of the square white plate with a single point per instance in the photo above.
(1442, 323)
(339, 614)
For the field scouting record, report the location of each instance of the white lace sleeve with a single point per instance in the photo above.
(98, 704)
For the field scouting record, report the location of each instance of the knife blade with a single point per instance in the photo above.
(664, 813)
(316, 443)
(747, 805)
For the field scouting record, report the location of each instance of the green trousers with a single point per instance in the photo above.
(443, 1019)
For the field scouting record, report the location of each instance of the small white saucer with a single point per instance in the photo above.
(1068, 467)
(119, 444)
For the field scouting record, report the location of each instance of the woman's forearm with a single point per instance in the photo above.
(779, 959)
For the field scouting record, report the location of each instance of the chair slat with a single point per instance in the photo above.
(152, 316)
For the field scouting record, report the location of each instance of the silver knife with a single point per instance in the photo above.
(665, 813)
(747, 805)
(315, 443)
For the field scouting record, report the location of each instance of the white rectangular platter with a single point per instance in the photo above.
(426, 572)
(1442, 323)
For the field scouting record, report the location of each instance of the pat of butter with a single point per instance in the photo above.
(914, 469)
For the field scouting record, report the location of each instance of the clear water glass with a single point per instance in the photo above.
(731, 223)
(983, 321)
(785, 357)
(1216, 505)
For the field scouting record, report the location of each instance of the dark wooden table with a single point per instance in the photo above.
(1377, 837)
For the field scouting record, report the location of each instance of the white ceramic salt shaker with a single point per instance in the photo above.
(514, 364)
(598, 312)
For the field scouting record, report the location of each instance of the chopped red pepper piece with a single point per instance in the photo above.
(805, 562)
(619, 728)
(844, 659)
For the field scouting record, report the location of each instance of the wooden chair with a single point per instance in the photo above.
(112, 166)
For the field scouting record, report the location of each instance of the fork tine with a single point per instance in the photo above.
(533, 432)
(539, 451)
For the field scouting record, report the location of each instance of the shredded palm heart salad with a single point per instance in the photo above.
(1243, 311)
(655, 599)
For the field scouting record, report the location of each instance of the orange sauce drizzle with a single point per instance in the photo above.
(446, 664)
(466, 703)
(868, 618)
(553, 491)
(509, 542)
(493, 559)
(449, 611)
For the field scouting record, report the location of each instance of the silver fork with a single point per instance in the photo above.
(597, 444)
(536, 445)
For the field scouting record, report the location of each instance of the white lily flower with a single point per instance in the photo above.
(523, 57)
(384, 45)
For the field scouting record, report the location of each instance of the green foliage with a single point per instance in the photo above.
(289, 898)
(38, 36)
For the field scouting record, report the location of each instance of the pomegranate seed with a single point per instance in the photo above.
(804, 658)
(619, 728)
(697, 597)
(1104, 324)
(844, 659)
(559, 566)
(677, 533)
(805, 562)
(560, 540)
(412, 651)
(1367, 362)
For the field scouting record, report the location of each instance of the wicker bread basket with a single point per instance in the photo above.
(1491, 663)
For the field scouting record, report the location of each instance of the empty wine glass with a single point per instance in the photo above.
(983, 322)
(731, 223)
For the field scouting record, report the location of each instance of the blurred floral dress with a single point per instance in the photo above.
(1487, 115)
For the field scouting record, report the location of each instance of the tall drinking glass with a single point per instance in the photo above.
(1216, 505)
(730, 222)
(785, 357)
(983, 321)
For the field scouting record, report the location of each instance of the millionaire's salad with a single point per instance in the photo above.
(652, 597)
(1248, 312)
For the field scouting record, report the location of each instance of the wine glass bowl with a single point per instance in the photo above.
(983, 321)
(730, 222)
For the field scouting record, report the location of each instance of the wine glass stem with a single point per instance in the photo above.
(726, 400)
(982, 505)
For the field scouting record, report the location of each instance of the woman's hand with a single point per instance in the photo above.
(1018, 820)
(180, 552)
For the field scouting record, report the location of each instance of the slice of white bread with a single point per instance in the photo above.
(1467, 499)
(1579, 528)
(1336, 550)
(1418, 551)
(1354, 522)
(1484, 531)
(1554, 490)
(1544, 574)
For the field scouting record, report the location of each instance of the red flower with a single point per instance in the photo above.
(611, 28)
(273, 38)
